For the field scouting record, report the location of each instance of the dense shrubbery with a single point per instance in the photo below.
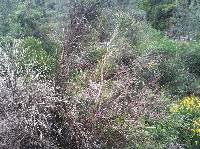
(32, 57)
(187, 113)
(159, 12)
(104, 79)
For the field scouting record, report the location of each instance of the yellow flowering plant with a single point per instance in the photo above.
(188, 109)
(196, 127)
(188, 105)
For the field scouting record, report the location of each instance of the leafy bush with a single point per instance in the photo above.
(158, 12)
(187, 112)
(32, 57)
(180, 65)
(192, 61)
(24, 20)
(180, 126)
(175, 78)
(115, 74)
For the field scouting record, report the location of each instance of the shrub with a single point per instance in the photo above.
(192, 61)
(159, 12)
(32, 57)
(180, 126)
(175, 78)
(187, 112)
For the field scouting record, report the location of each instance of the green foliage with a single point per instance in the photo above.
(187, 113)
(186, 18)
(155, 40)
(130, 29)
(180, 70)
(116, 77)
(25, 20)
(29, 18)
(175, 78)
(6, 8)
(158, 12)
(180, 127)
(192, 61)
(34, 58)
(96, 55)
(161, 133)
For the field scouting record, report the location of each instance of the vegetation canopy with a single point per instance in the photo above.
(99, 74)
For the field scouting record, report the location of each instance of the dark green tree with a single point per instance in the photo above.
(187, 18)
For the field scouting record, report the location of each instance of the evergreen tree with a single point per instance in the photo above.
(182, 17)
(6, 9)
(195, 17)
(187, 18)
